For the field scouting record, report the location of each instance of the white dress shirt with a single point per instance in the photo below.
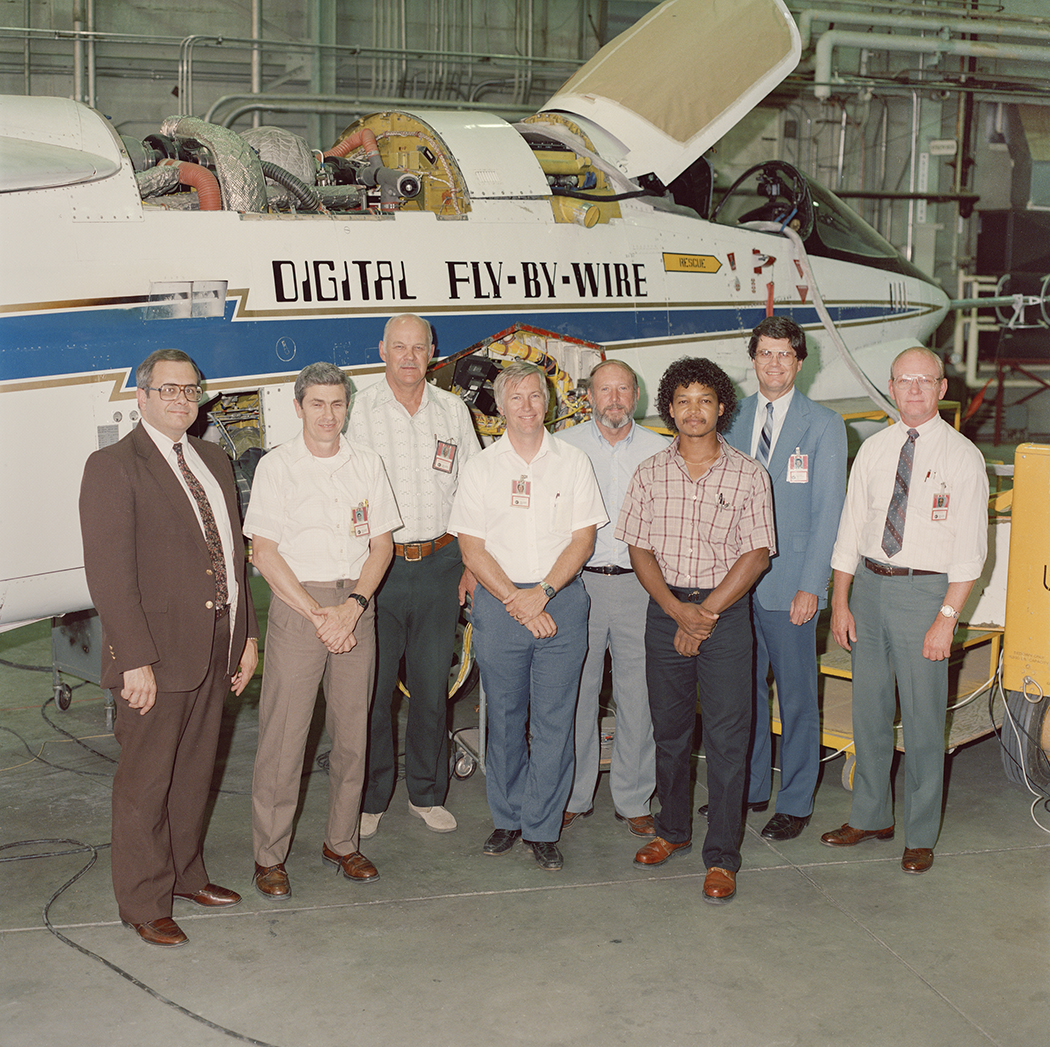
(946, 526)
(780, 410)
(216, 499)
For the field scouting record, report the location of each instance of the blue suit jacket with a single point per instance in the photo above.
(807, 514)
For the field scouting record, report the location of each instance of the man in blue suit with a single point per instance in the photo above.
(803, 445)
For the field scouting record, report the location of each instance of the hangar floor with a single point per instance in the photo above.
(453, 948)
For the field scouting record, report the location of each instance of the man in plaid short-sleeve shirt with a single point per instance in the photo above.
(698, 520)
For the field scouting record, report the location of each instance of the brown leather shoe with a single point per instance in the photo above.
(642, 826)
(164, 931)
(355, 866)
(658, 850)
(271, 881)
(847, 836)
(569, 817)
(211, 894)
(917, 859)
(719, 886)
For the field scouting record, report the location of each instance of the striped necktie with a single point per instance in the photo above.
(765, 439)
(211, 531)
(893, 532)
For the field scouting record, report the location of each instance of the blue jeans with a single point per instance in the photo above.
(530, 685)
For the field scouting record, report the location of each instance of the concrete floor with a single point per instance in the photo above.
(454, 948)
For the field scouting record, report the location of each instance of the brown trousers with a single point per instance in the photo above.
(295, 663)
(160, 790)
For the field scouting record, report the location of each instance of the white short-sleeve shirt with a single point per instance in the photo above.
(526, 512)
(321, 512)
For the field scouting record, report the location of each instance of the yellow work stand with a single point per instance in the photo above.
(963, 725)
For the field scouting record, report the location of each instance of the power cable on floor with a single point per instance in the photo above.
(76, 847)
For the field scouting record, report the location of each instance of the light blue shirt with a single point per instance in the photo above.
(614, 465)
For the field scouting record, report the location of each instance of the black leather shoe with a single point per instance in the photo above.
(547, 855)
(501, 841)
(763, 806)
(784, 826)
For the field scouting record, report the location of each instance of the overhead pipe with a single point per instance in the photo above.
(933, 22)
(822, 70)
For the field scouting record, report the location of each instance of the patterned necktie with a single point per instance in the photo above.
(893, 532)
(211, 531)
(765, 439)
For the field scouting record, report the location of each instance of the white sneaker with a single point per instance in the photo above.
(370, 824)
(437, 819)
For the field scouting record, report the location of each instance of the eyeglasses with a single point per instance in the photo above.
(924, 381)
(168, 391)
(765, 355)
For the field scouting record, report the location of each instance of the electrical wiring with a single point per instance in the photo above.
(76, 847)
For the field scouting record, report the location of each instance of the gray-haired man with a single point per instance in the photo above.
(320, 519)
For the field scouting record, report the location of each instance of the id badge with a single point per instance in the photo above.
(359, 516)
(520, 493)
(940, 507)
(798, 468)
(444, 456)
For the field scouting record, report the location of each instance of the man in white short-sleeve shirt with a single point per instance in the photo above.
(424, 436)
(526, 513)
(320, 518)
(912, 541)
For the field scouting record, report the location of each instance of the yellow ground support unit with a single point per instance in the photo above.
(1026, 648)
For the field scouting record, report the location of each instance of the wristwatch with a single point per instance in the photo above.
(548, 589)
(362, 600)
(949, 612)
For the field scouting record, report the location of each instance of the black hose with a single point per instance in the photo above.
(298, 188)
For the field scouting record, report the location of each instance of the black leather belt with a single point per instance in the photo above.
(609, 569)
(221, 612)
(417, 550)
(893, 572)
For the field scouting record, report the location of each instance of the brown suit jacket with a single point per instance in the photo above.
(148, 567)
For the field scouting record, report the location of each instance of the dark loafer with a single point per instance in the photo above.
(643, 826)
(547, 855)
(719, 886)
(784, 826)
(165, 932)
(501, 841)
(569, 817)
(658, 850)
(762, 806)
(354, 866)
(271, 881)
(847, 836)
(917, 859)
(210, 895)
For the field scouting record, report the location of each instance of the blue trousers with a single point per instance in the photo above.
(892, 616)
(530, 693)
(720, 671)
(792, 651)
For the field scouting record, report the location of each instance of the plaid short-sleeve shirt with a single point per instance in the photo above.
(697, 529)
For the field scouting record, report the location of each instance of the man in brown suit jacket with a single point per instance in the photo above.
(165, 565)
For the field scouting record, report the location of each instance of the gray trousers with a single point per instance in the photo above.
(615, 623)
(892, 616)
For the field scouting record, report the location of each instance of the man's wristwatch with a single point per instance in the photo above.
(548, 589)
(949, 612)
(362, 600)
